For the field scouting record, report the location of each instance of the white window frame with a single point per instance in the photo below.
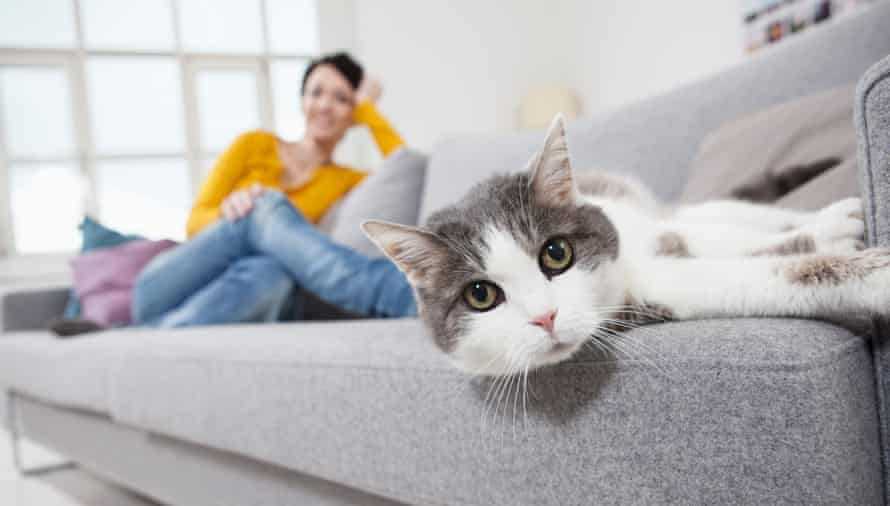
(74, 61)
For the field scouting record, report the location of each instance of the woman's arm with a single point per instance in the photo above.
(386, 137)
(229, 169)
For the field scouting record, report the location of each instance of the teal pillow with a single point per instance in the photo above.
(94, 236)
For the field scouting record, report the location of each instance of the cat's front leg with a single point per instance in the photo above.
(813, 286)
(837, 228)
(763, 217)
(840, 235)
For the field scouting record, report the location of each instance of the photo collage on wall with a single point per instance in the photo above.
(769, 21)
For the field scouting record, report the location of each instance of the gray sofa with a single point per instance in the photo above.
(744, 411)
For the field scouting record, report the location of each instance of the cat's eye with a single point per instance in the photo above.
(482, 295)
(556, 256)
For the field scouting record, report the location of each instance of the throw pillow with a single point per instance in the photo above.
(795, 147)
(104, 278)
(94, 235)
(390, 193)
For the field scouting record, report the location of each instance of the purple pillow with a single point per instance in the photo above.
(104, 278)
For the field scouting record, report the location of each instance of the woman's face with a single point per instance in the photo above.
(328, 102)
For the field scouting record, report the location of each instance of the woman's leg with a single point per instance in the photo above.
(334, 273)
(175, 275)
(253, 289)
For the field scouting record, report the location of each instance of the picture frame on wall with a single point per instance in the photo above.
(767, 22)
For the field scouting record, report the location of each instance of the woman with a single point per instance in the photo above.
(251, 229)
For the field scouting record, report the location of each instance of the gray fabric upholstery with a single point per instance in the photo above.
(72, 372)
(656, 139)
(745, 412)
(172, 471)
(872, 112)
(391, 193)
(30, 308)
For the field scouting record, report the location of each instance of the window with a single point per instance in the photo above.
(118, 109)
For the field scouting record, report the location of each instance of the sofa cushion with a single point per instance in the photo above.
(459, 163)
(805, 145)
(94, 236)
(104, 279)
(390, 193)
(736, 411)
(72, 372)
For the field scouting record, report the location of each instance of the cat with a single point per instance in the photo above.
(526, 268)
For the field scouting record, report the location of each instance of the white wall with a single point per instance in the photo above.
(461, 66)
(637, 48)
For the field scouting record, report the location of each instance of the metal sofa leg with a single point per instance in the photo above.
(16, 439)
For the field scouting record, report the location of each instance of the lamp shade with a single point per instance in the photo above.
(540, 105)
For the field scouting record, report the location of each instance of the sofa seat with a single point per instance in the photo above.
(74, 373)
(372, 405)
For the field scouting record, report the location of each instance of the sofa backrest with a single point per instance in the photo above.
(656, 139)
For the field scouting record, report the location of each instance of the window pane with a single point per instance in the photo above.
(128, 24)
(227, 106)
(293, 26)
(37, 23)
(37, 118)
(287, 76)
(47, 206)
(150, 197)
(219, 26)
(136, 105)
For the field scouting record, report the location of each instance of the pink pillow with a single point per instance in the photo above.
(104, 278)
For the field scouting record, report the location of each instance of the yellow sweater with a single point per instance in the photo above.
(253, 158)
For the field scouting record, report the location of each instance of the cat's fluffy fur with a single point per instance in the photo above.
(633, 260)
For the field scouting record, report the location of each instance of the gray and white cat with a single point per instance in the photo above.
(528, 267)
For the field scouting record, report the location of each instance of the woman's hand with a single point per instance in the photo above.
(369, 90)
(239, 203)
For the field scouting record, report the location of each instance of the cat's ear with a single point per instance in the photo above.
(550, 171)
(417, 252)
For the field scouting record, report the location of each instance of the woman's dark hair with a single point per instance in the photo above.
(349, 68)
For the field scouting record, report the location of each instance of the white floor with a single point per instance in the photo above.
(69, 487)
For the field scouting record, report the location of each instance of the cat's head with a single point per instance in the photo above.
(516, 275)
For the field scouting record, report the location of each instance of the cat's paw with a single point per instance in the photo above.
(835, 235)
(847, 208)
(838, 228)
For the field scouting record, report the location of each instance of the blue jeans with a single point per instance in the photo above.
(244, 270)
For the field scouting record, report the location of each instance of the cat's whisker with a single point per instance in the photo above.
(593, 346)
(634, 310)
(525, 398)
(610, 340)
(633, 350)
(628, 326)
(497, 383)
(503, 394)
(623, 334)
(609, 346)
(522, 373)
(620, 350)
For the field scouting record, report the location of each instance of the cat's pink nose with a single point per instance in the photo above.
(545, 321)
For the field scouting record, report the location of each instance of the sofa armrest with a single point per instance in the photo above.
(872, 117)
(872, 113)
(30, 307)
